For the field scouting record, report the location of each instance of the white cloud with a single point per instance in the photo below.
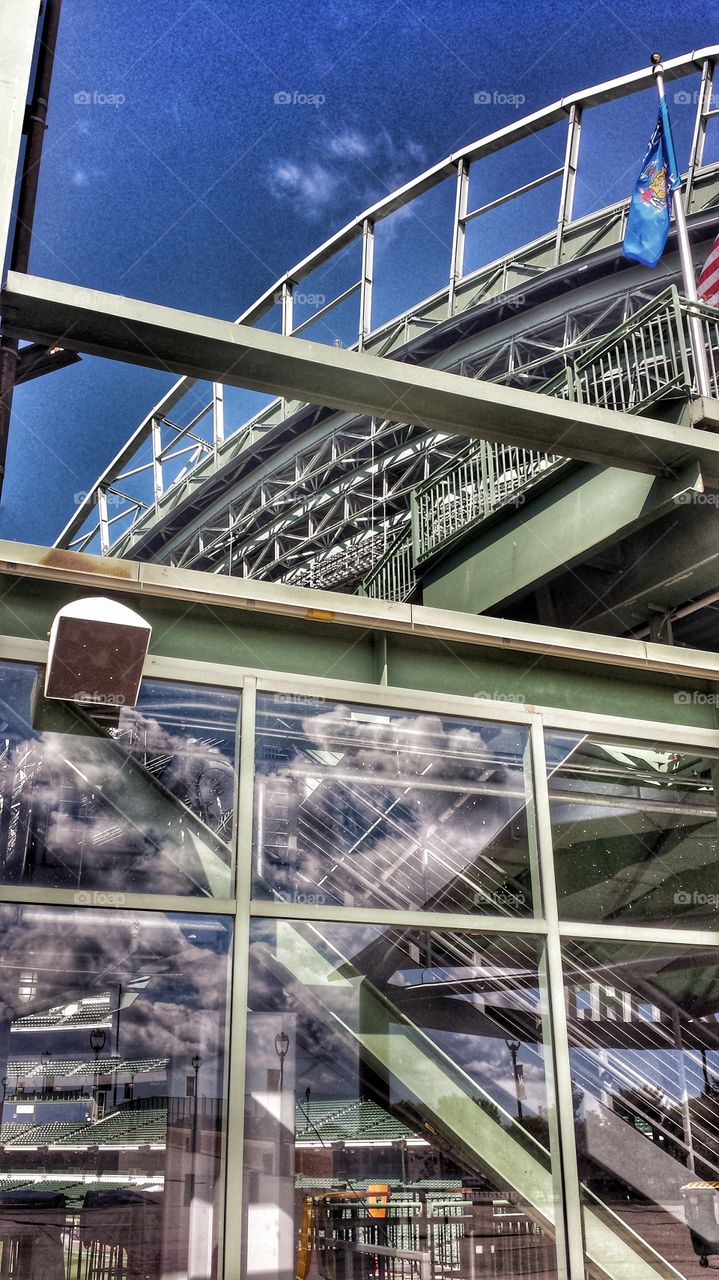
(310, 187)
(363, 166)
(349, 142)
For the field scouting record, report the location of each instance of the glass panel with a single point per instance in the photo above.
(635, 832)
(644, 1035)
(142, 801)
(112, 1027)
(397, 1108)
(370, 807)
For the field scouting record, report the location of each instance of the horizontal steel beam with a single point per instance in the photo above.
(156, 337)
(276, 599)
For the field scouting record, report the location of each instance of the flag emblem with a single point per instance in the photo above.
(651, 204)
(656, 193)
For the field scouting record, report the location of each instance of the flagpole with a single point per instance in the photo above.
(685, 258)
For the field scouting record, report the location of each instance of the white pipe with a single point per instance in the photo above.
(687, 264)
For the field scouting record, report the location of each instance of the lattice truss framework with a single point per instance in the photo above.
(323, 511)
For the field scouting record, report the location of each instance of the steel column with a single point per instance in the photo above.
(569, 180)
(696, 153)
(456, 269)
(366, 282)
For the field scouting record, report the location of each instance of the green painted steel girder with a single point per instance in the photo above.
(143, 333)
(584, 512)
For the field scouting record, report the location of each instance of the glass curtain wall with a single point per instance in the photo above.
(635, 838)
(113, 1020)
(475, 1003)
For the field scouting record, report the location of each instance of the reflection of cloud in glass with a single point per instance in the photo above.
(393, 809)
(73, 953)
(103, 819)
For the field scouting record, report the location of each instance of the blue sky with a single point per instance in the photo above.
(171, 174)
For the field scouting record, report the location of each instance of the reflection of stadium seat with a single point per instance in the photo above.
(120, 1233)
(136, 1128)
(40, 1135)
(31, 1226)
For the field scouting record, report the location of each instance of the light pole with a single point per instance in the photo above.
(518, 1072)
(46, 1059)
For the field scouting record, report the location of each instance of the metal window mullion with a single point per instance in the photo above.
(569, 1172)
(456, 269)
(366, 282)
(234, 1145)
(569, 178)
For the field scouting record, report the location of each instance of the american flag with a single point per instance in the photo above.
(708, 287)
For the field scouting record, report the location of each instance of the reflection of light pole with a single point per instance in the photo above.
(514, 1047)
(46, 1059)
(196, 1064)
(97, 1044)
(282, 1044)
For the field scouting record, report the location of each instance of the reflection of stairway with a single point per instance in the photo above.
(625, 1152)
(480, 1134)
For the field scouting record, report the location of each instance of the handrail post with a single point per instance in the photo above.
(156, 442)
(685, 258)
(103, 521)
(366, 282)
(456, 268)
(569, 178)
(696, 153)
(414, 527)
(675, 309)
(218, 414)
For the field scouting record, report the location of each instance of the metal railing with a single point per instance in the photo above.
(484, 478)
(644, 360)
(185, 438)
(428, 1236)
(393, 577)
(647, 359)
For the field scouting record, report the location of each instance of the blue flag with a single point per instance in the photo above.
(650, 210)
